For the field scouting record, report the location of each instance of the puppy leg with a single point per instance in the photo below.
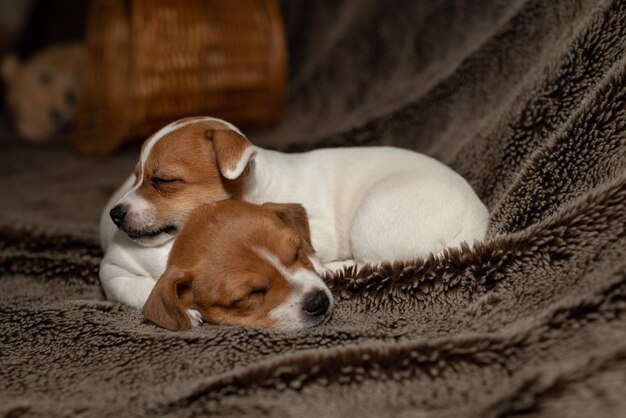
(122, 286)
(195, 316)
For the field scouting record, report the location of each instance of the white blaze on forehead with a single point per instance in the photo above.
(162, 133)
(289, 314)
(274, 261)
(302, 279)
(168, 129)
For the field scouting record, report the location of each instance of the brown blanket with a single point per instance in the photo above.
(525, 98)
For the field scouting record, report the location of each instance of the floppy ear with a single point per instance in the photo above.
(10, 66)
(167, 303)
(294, 215)
(233, 152)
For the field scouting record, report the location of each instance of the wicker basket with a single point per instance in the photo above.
(150, 62)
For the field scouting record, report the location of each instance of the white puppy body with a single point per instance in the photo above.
(371, 204)
(365, 205)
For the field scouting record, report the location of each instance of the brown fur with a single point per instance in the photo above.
(526, 99)
(229, 147)
(296, 217)
(191, 155)
(214, 267)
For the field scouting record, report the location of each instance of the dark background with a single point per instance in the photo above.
(29, 26)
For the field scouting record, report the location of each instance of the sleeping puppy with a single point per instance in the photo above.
(365, 205)
(136, 242)
(242, 264)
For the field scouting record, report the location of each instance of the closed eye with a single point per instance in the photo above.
(258, 293)
(160, 182)
(298, 255)
(164, 180)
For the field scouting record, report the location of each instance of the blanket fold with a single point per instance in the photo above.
(526, 99)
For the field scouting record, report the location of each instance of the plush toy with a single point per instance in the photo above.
(42, 93)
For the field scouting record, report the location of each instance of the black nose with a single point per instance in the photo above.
(317, 305)
(118, 213)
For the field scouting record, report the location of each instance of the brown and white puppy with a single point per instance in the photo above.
(177, 172)
(242, 264)
(365, 204)
(43, 93)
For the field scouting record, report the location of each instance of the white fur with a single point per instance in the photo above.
(365, 205)
(247, 155)
(128, 271)
(195, 316)
(371, 204)
(290, 315)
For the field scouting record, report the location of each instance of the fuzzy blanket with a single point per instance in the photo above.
(525, 98)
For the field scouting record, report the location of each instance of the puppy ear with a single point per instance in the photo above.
(167, 303)
(10, 66)
(233, 152)
(294, 216)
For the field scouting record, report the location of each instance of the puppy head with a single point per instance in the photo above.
(189, 163)
(43, 92)
(242, 264)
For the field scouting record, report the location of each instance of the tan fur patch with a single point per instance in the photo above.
(187, 156)
(230, 282)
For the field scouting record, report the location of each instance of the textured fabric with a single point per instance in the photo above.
(526, 99)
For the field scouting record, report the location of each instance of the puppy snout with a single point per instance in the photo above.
(316, 304)
(118, 213)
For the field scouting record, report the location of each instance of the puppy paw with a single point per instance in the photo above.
(195, 316)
